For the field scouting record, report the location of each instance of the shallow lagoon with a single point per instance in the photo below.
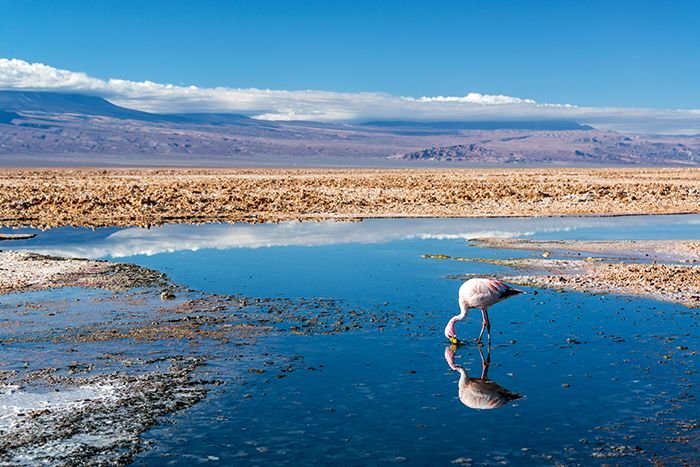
(604, 379)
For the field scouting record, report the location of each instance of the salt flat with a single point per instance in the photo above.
(126, 197)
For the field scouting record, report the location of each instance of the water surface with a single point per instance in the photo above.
(603, 379)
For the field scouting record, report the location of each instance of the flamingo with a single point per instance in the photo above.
(479, 393)
(479, 293)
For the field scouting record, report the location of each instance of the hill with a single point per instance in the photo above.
(50, 128)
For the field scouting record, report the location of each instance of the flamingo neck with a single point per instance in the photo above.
(450, 328)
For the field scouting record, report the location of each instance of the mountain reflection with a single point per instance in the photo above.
(479, 393)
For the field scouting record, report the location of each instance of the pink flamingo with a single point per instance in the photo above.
(479, 293)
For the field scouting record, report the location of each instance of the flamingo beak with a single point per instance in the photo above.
(454, 340)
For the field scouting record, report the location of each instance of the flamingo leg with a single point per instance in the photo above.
(488, 325)
(484, 318)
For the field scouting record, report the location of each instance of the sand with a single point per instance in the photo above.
(91, 197)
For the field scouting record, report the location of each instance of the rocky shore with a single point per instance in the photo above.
(662, 270)
(24, 271)
(89, 368)
(666, 282)
(683, 251)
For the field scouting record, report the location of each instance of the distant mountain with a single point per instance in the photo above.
(79, 104)
(538, 125)
(596, 147)
(50, 128)
(216, 118)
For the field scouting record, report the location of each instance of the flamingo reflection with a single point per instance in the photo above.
(479, 393)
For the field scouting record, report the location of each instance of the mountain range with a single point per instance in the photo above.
(51, 128)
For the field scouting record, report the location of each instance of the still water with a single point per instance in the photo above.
(587, 379)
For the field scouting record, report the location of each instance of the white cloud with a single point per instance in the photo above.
(318, 105)
(18, 74)
(476, 98)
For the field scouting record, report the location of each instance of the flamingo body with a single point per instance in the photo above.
(482, 293)
(479, 293)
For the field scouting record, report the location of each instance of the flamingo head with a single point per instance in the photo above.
(451, 333)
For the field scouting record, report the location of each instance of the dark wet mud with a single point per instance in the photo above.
(86, 372)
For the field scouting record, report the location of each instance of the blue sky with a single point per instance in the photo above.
(587, 53)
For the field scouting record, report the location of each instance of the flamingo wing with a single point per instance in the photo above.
(501, 289)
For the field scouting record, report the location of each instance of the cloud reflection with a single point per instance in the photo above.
(172, 238)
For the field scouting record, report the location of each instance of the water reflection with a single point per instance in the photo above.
(171, 238)
(479, 393)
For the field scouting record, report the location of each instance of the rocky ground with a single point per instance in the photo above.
(24, 271)
(49, 198)
(687, 251)
(618, 267)
(667, 282)
(89, 419)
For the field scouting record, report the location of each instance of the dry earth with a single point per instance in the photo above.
(669, 281)
(90, 197)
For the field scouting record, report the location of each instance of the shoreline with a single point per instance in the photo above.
(615, 267)
(29, 272)
(172, 348)
(90, 369)
(680, 251)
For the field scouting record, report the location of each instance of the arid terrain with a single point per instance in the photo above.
(658, 269)
(91, 197)
(652, 250)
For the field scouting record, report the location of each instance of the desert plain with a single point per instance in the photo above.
(128, 197)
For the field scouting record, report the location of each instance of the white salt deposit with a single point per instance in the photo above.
(17, 404)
